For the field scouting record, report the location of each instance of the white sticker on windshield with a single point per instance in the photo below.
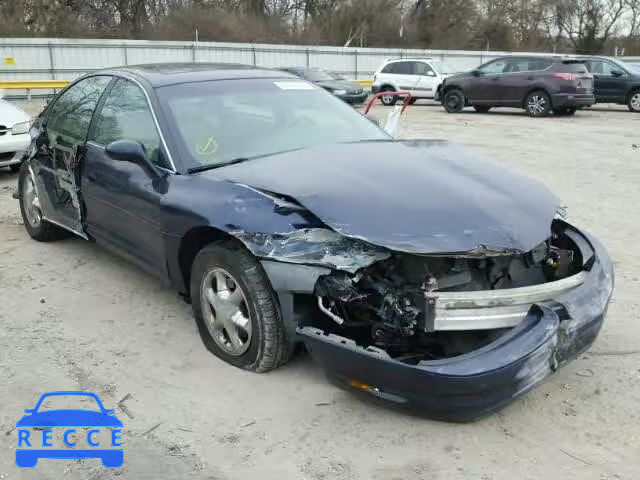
(294, 85)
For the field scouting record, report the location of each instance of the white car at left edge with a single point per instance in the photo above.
(14, 134)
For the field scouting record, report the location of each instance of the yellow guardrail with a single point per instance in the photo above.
(29, 85)
(365, 83)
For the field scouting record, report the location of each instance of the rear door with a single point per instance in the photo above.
(610, 81)
(122, 198)
(520, 75)
(404, 75)
(60, 152)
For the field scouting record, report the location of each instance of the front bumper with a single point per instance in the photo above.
(12, 147)
(354, 99)
(569, 100)
(475, 384)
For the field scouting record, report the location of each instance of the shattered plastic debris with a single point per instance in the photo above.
(317, 246)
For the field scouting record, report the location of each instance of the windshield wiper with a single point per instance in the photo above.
(203, 168)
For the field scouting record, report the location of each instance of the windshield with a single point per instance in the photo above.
(317, 75)
(218, 122)
(443, 68)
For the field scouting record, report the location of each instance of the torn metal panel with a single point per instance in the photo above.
(316, 246)
(56, 182)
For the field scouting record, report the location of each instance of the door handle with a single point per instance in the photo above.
(529, 77)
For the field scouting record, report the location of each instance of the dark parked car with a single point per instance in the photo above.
(615, 81)
(414, 271)
(538, 84)
(349, 91)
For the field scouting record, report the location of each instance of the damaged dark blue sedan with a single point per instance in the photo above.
(414, 271)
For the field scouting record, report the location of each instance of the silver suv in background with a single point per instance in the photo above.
(420, 76)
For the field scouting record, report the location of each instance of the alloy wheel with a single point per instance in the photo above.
(635, 101)
(536, 104)
(30, 201)
(225, 310)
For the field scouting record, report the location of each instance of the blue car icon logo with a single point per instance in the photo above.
(104, 429)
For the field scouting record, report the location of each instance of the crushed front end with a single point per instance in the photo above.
(457, 336)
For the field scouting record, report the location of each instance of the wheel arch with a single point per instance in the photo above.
(194, 240)
(536, 88)
(387, 85)
(633, 89)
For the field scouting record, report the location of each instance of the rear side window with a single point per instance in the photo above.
(573, 67)
(403, 68)
(70, 115)
(527, 65)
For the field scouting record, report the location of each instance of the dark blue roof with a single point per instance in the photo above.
(161, 74)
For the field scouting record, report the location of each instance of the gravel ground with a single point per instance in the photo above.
(73, 316)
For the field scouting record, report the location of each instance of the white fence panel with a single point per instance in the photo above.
(64, 59)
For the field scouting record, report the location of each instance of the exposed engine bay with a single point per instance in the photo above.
(386, 304)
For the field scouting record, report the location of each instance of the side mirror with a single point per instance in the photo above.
(130, 151)
(127, 151)
(617, 73)
(476, 73)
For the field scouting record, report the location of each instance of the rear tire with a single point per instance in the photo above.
(37, 228)
(537, 104)
(388, 100)
(259, 344)
(481, 108)
(453, 101)
(15, 168)
(633, 102)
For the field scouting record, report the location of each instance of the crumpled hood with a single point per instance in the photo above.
(413, 196)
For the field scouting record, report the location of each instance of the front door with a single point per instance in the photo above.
(609, 81)
(59, 151)
(486, 87)
(123, 198)
(427, 80)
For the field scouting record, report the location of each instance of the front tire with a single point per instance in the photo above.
(538, 104)
(236, 309)
(37, 227)
(388, 100)
(453, 101)
(633, 101)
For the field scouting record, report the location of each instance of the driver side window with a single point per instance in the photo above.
(600, 67)
(126, 115)
(420, 68)
(497, 66)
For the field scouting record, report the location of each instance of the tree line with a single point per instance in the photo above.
(579, 26)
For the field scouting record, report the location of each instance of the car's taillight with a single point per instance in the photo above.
(566, 76)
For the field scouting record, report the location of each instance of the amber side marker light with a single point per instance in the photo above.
(365, 387)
